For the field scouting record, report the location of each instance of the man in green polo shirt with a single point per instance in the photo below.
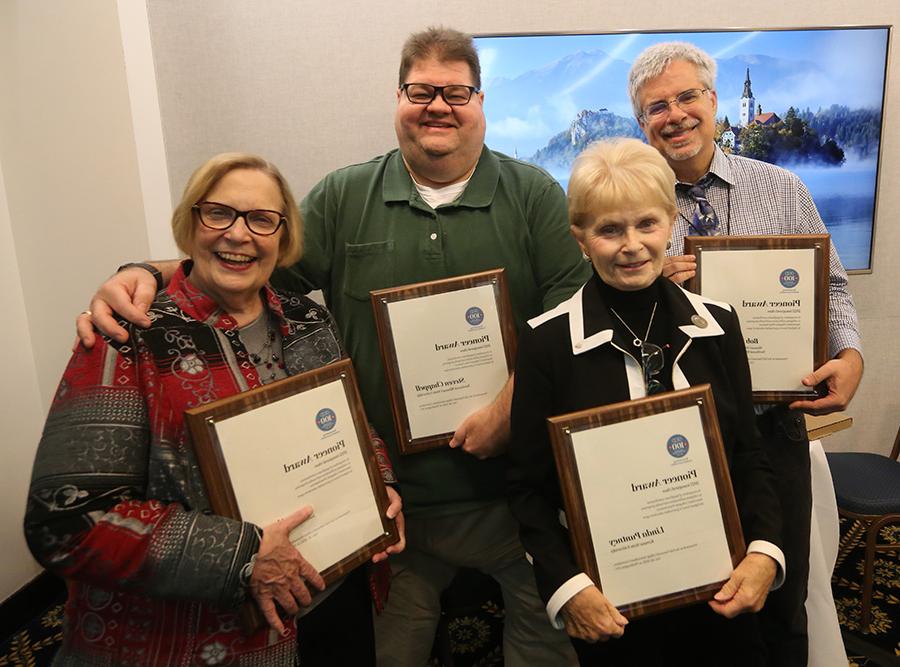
(441, 205)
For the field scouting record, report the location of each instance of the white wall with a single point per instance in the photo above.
(22, 409)
(71, 168)
(85, 171)
(71, 209)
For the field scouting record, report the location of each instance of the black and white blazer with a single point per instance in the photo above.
(570, 359)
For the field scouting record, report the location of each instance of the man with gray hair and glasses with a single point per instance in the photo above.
(441, 205)
(672, 90)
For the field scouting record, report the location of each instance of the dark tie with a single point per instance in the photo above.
(705, 222)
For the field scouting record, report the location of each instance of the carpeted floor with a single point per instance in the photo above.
(470, 632)
(35, 642)
(846, 585)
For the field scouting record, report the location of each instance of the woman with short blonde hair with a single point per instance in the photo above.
(626, 334)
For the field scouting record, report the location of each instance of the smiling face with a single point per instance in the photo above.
(231, 265)
(440, 143)
(627, 247)
(683, 136)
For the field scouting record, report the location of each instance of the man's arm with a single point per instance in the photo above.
(843, 373)
(129, 293)
(559, 267)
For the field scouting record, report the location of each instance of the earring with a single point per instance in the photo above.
(669, 244)
(585, 257)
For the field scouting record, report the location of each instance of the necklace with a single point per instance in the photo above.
(637, 342)
(266, 359)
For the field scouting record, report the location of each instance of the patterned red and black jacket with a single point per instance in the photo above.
(117, 504)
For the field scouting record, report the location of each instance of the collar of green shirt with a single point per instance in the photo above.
(399, 186)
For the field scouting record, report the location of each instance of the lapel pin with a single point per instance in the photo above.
(699, 322)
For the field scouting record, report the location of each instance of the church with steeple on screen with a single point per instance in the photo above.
(748, 103)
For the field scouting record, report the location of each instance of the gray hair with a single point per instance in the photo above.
(654, 60)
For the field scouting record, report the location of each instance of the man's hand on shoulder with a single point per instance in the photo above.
(841, 376)
(129, 293)
(680, 268)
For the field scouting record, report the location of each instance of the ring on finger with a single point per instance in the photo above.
(86, 312)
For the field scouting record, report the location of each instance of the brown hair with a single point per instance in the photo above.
(442, 44)
(204, 179)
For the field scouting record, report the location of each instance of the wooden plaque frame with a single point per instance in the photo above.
(202, 423)
(561, 429)
(821, 245)
(380, 300)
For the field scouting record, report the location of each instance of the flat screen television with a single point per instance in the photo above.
(548, 96)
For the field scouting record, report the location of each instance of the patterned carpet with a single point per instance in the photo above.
(35, 643)
(471, 630)
(470, 633)
(846, 585)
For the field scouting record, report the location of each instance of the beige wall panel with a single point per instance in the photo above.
(69, 158)
(70, 209)
(22, 410)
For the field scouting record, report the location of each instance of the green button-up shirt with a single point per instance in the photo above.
(366, 228)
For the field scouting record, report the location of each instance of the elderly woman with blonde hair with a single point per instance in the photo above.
(627, 333)
(117, 506)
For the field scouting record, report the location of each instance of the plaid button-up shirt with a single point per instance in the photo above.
(751, 198)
